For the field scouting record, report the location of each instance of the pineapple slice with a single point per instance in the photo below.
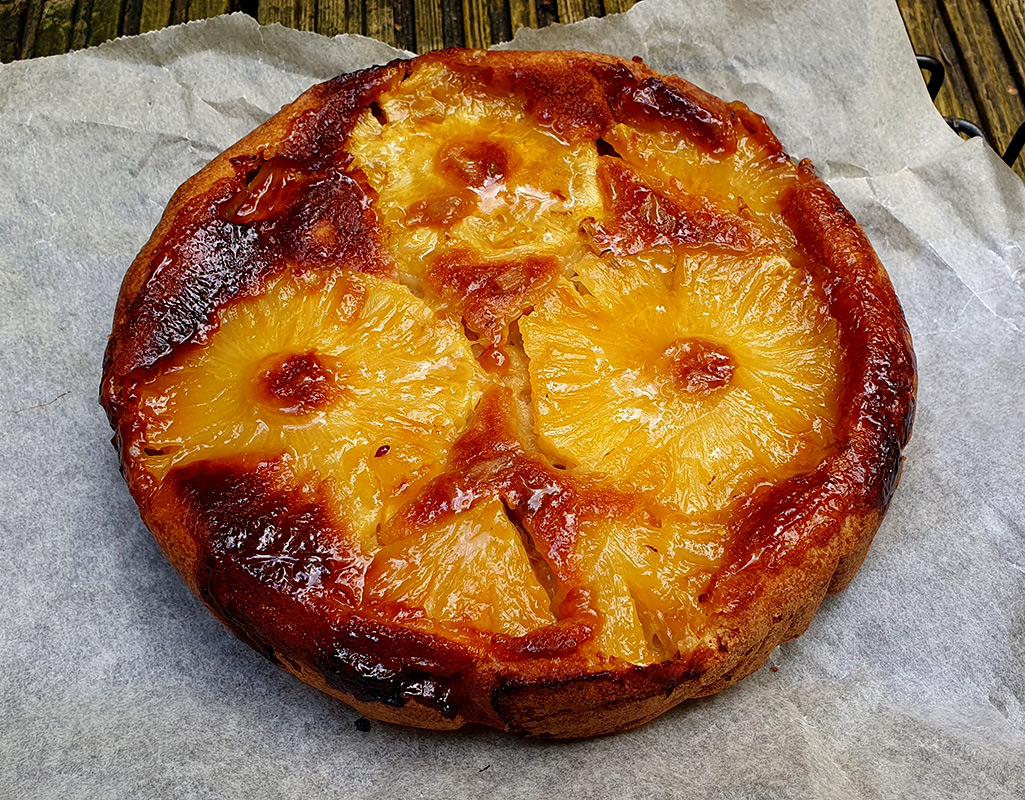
(751, 182)
(646, 581)
(693, 384)
(453, 170)
(471, 571)
(352, 379)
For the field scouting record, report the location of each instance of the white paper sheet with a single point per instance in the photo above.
(116, 682)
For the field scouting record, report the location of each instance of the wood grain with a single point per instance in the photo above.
(33, 13)
(987, 71)
(380, 24)
(80, 26)
(156, 14)
(104, 21)
(618, 6)
(1010, 18)
(339, 16)
(522, 14)
(476, 24)
(282, 11)
(576, 10)
(429, 32)
(54, 34)
(929, 36)
(204, 9)
(12, 20)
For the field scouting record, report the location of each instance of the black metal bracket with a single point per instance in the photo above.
(964, 127)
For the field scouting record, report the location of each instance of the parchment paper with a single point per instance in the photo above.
(117, 683)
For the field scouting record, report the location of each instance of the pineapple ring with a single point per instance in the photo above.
(692, 391)
(533, 390)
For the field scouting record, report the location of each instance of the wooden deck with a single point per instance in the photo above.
(981, 43)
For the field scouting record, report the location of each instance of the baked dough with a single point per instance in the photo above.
(534, 390)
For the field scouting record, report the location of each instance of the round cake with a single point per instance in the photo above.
(528, 389)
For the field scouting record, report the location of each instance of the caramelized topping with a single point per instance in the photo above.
(563, 495)
(270, 191)
(697, 367)
(475, 164)
(494, 359)
(639, 218)
(299, 384)
(441, 211)
(490, 294)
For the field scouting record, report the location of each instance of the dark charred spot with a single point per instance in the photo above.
(285, 540)
(697, 367)
(299, 383)
(377, 663)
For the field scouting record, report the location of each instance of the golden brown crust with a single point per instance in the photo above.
(220, 240)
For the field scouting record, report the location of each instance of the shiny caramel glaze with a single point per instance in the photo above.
(353, 381)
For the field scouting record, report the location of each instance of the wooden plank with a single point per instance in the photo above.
(619, 6)
(12, 20)
(180, 11)
(80, 28)
(305, 15)
(104, 21)
(204, 9)
(131, 16)
(522, 14)
(498, 16)
(33, 13)
(476, 24)
(570, 10)
(547, 12)
(271, 11)
(1010, 17)
(156, 14)
(987, 71)
(54, 35)
(427, 19)
(380, 23)
(452, 23)
(929, 36)
(338, 16)
(405, 26)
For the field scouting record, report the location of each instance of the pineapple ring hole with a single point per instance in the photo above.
(298, 383)
(697, 367)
